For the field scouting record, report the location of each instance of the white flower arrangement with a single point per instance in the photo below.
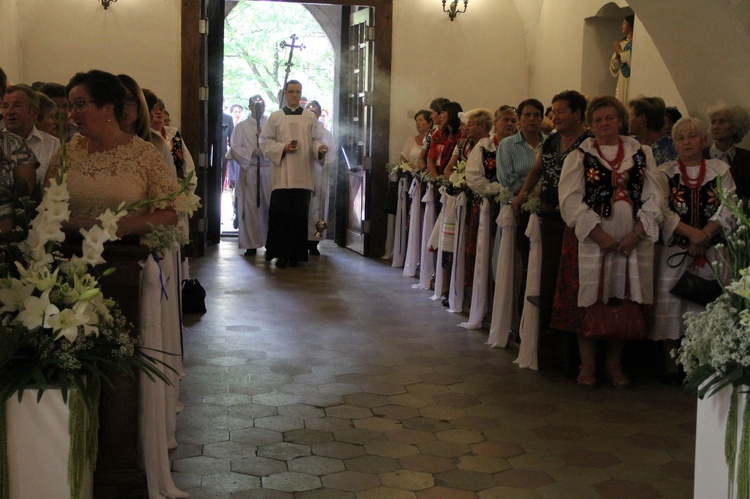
(56, 326)
(715, 351)
(401, 168)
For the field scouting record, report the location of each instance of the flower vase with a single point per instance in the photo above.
(39, 441)
(711, 470)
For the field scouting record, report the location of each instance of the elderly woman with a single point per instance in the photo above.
(106, 167)
(729, 125)
(693, 219)
(646, 123)
(568, 111)
(609, 195)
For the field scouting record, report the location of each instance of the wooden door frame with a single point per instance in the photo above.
(193, 122)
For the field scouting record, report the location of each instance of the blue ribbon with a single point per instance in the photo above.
(156, 258)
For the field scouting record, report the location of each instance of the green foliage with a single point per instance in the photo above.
(254, 62)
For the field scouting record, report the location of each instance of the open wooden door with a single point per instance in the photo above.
(357, 117)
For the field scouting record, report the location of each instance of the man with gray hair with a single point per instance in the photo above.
(20, 110)
(252, 178)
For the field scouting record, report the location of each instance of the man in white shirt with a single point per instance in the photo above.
(20, 110)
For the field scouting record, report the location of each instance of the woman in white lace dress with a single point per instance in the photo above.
(106, 167)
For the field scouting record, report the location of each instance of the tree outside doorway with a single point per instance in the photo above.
(255, 62)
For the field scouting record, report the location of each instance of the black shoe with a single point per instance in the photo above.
(282, 262)
(312, 246)
(445, 300)
(251, 252)
(293, 263)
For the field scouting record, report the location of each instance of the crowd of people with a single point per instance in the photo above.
(635, 183)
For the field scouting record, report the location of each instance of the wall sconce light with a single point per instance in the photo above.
(453, 9)
(105, 3)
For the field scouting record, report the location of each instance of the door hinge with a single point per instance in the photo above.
(371, 33)
(367, 163)
(201, 225)
(203, 26)
(202, 160)
(366, 227)
(203, 93)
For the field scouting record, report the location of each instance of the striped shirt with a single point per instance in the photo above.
(515, 158)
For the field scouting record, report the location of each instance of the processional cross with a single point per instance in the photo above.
(289, 64)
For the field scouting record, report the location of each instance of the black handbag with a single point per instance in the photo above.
(692, 287)
(696, 289)
(193, 297)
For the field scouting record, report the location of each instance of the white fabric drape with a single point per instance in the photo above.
(437, 242)
(415, 229)
(160, 332)
(502, 304)
(481, 270)
(399, 235)
(529, 331)
(39, 446)
(426, 257)
(458, 270)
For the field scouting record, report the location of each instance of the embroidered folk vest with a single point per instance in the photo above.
(694, 206)
(601, 184)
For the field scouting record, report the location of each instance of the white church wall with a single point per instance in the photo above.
(479, 59)
(10, 57)
(140, 38)
(504, 51)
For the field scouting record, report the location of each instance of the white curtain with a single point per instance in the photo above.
(502, 304)
(160, 332)
(529, 331)
(399, 237)
(427, 257)
(481, 270)
(458, 270)
(413, 247)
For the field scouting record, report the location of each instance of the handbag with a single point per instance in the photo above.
(692, 287)
(193, 297)
(619, 319)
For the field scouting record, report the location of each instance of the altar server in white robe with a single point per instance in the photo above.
(292, 142)
(319, 201)
(253, 184)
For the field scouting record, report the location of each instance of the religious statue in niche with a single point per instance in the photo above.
(619, 64)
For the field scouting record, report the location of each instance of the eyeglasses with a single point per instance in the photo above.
(78, 105)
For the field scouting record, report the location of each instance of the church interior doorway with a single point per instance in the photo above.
(259, 58)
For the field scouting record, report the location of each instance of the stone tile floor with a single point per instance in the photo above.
(338, 380)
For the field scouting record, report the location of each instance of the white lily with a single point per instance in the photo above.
(13, 296)
(37, 311)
